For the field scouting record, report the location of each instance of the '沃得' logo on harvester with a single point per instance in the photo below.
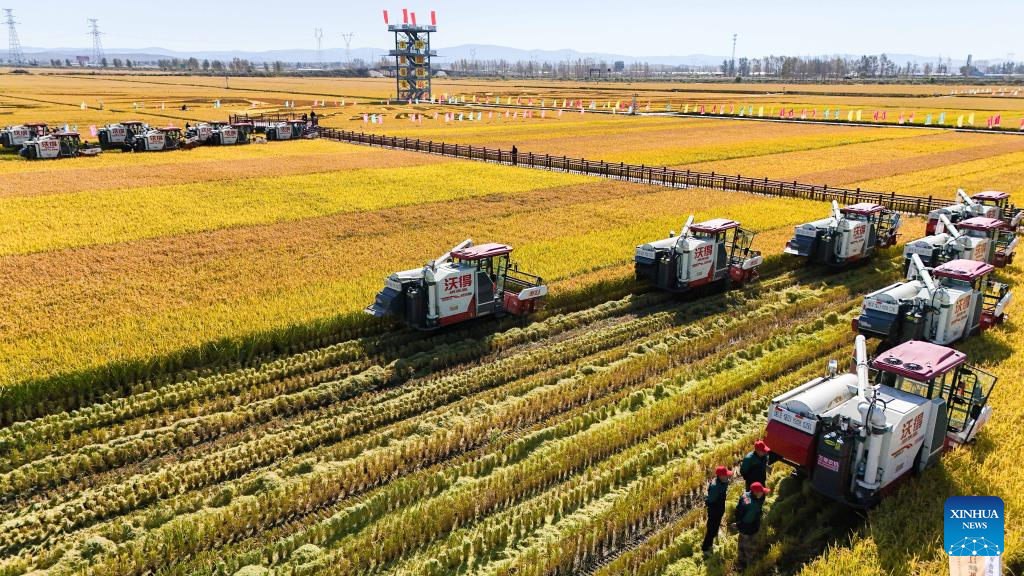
(973, 535)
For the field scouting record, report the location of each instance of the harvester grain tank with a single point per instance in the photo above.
(857, 435)
(977, 238)
(714, 252)
(989, 204)
(953, 301)
(121, 136)
(16, 136)
(467, 282)
(61, 144)
(852, 233)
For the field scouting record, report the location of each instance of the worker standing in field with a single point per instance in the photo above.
(312, 118)
(715, 501)
(754, 467)
(515, 155)
(748, 523)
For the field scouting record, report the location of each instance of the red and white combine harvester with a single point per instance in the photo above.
(61, 144)
(977, 238)
(715, 252)
(16, 136)
(467, 282)
(121, 136)
(851, 234)
(990, 204)
(856, 436)
(953, 301)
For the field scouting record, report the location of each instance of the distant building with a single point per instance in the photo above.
(619, 66)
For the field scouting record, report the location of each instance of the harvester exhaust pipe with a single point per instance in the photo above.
(861, 347)
(835, 211)
(872, 410)
(966, 199)
(444, 258)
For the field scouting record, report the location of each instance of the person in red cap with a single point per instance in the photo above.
(754, 467)
(715, 501)
(748, 522)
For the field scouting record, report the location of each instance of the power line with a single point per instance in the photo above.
(318, 34)
(97, 44)
(348, 46)
(14, 53)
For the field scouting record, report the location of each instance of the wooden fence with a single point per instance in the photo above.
(657, 175)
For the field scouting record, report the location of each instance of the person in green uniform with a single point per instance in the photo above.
(754, 467)
(748, 522)
(715, 501)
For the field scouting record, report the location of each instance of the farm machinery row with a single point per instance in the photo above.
(38, 141)
(854, 435)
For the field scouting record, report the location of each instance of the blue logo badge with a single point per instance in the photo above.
(973, 526)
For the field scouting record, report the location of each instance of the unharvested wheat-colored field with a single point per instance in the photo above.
(190, 387)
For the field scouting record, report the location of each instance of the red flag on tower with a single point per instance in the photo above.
(405, 15)
(433, 18)
(385, 17)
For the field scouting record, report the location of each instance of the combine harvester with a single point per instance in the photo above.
(712, 253)
(954, 301)
(57, 145)
(224, 134)
(199, 134)
(280, 131)
(851, 234)
(158, 140)
(467, 282)
(121, 136)
(15, 137)
(857, 436)
(989, 204)
(978, 238)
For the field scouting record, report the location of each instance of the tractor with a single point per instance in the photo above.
(57, 145)
(953, 301)
(712, 253)
(851, 234)
(990, 204)
(977, 238)
(468, 282)
(856, 436)
(279, 131)
(121, 136)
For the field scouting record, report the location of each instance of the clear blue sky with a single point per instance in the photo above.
(986, 28)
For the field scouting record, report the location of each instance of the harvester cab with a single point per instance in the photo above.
(245, 131)
(57, 145)
(467, 282)
(120, 136)
(953, 301)
(852, 233)
(857, 435)
(999, 204)
(713, 252)
(298, 128)
(977, 238)
(172, 138)
(279, 131)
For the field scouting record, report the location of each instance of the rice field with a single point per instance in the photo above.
(189, 385)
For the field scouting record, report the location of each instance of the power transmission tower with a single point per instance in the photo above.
(97, 44)
(732, 61)
(14, 53)
(348, 46)
(318, 34)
